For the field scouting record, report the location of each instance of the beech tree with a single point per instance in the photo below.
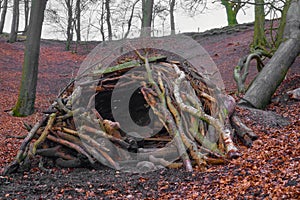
(26, 15)
(172, 18)
(69, 5)
(194, 7)
(280, 32)
(14, 23)
(93, 17)
(147, 11)
(261, 9)
(161, 9)
(259, 38)
(232, 9)
(3, 15)
(129, 21)
(66, 16)
(26, 99)
(78, 20)
(108, 19)
(265, 84)
(101, 21)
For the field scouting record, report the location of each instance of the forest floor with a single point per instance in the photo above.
(270, 169)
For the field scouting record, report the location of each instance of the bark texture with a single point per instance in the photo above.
(14, 23)
(232, 8)
(3, 16)
(26, 14)
(279, 36)
(108, 16)
(172, 18)
(259, 38)
(147, 10)
(78, 20)
(69, 4)
(261, 90)
(25, 103)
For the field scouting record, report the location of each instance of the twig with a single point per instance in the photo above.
(45, 132)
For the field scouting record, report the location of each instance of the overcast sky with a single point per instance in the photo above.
(211, 18)
(214, 17)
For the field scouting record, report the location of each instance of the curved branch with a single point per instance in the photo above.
(244, 65)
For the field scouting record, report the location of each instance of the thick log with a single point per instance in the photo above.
(60, 162)
(164, 162)
(102, 134)
(265, 84)
(166, 153)
(71, 146)
(55, 152)
(242, 131)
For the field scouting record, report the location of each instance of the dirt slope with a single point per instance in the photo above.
(267, 170)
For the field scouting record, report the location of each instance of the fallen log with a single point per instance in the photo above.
(262, 88)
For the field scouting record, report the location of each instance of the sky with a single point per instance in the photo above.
(213, 17)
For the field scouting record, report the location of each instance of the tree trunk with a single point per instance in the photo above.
(107, 7)
(78, 18)
(26, 13)
(25, 103)
(259, 38)
(281, 27)
(129, 24)
(261, 90)
(3, 15)
(14, 23)
(172, 19)
(231, 12)
(147, 10)
(102, 22)
(69, 4)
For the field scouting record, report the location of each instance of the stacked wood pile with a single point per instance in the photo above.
(193, 126)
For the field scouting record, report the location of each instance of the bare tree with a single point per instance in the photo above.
(280, 33)
(194, 7)
(108, 19)
(129, 22)
(160, 10)
(69, 5)
(3, 15)
(70, 18)
(172, 18)
(102, 18)
(26, 14)
(97, 19)
(232, 9)
(78, 20)
(14, 23)
(26, 99)
(259, 38)
(147, 11)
